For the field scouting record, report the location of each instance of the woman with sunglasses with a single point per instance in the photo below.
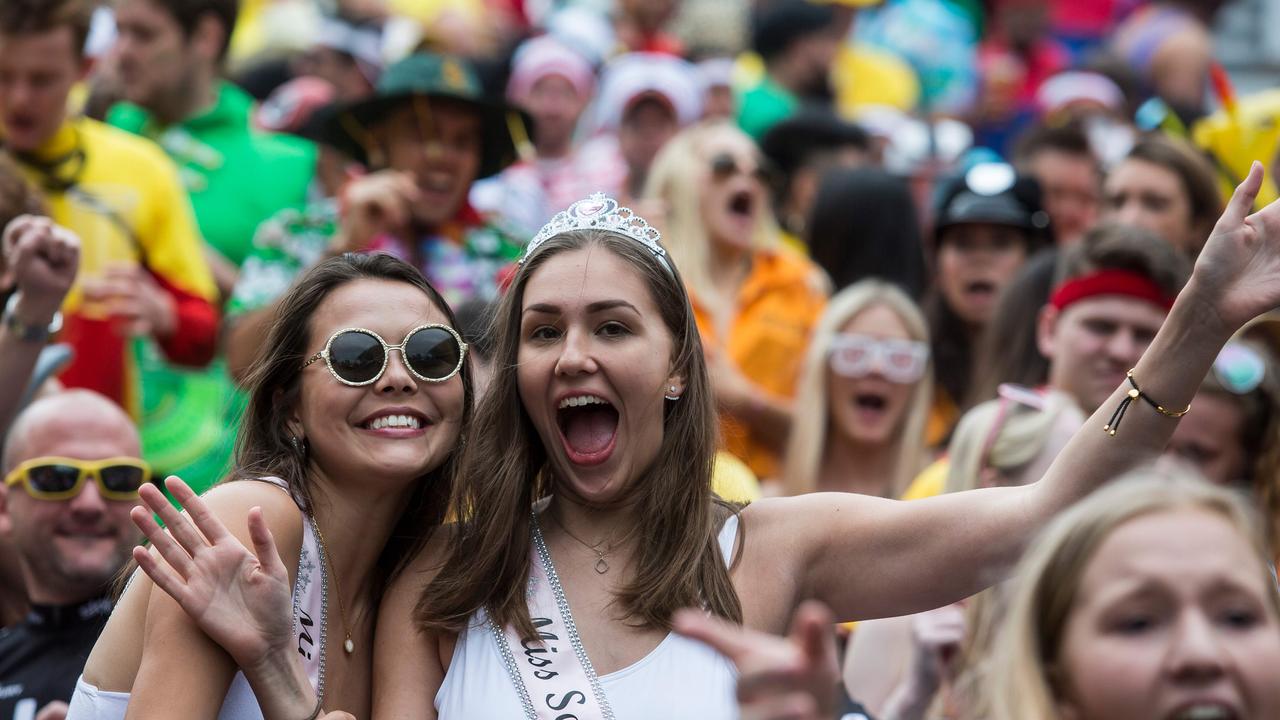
(586, 516)
(755, 301)
(356, 407)
(865, 391)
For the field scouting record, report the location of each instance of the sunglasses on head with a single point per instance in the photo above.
(356, 356)
(725, 166)
(1239, 369)
(901, 361)
(60, 478)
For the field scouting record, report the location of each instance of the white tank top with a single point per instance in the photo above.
(90, 703)
(681, 679)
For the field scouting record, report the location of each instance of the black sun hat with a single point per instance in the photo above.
(426, 75)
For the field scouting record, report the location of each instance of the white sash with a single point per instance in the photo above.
(310, 605)
(554, 677)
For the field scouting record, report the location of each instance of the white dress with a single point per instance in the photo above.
(681, 679)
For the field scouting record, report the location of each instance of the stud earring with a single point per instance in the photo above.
(672, 393)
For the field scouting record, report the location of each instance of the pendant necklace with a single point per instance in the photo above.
(347, 646)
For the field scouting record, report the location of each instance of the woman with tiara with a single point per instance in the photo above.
(585, 516)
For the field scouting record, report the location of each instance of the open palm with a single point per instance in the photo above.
(240, 599)
(1239, 268)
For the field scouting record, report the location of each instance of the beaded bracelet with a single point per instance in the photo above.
(1133, 394)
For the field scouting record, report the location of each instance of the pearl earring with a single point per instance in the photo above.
(672, 393)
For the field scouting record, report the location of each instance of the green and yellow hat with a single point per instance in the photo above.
(423, 76)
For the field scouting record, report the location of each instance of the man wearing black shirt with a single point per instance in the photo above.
(72, 469)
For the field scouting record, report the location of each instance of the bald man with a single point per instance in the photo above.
(72, 469)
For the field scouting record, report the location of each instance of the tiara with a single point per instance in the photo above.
(600, 212)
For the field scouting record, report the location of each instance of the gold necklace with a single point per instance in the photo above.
(348, 647)
(602, 565)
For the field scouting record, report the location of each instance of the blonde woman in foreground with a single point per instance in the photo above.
(1152, 599)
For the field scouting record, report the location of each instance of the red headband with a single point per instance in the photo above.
(1109, 282)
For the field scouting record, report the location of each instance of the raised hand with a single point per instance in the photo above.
(376, 204)
(132, 296)
(41, 258)
(791, 678)
(240, 599)
(1238, 270)
(937, 637)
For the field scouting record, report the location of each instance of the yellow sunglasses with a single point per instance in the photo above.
(62, 478)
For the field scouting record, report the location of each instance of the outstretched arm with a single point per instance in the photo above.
(868, 557)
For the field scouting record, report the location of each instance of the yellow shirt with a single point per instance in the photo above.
(930, 482)
(121, 195)
(776, 309)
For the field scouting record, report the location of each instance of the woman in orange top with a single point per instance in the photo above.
(756, 302)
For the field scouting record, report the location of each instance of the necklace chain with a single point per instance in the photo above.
(347, 646)
(602, 562)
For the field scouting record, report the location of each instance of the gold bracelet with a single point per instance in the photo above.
(1133, 394)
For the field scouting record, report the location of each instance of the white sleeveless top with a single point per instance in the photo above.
(681, 679)
(90, 703)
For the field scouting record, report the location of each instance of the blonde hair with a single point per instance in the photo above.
(676, 179)
(1023, 678)
(808, 440)
(1021, 435)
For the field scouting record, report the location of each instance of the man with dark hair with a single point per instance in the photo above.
(170, 55)
(1112, 292)
(143, 274)
(798, 41)
(1070, 177)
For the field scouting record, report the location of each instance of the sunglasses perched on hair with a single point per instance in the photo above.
(60, 478)
(356, 356)
(901, 361)
(725, 166)
(1011, 397)
(1239, 369)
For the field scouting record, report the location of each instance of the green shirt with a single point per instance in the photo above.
(236, 176)
(763, 106)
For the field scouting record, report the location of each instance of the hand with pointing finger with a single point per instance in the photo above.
(791, 678)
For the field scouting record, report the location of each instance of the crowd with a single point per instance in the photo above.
(860, 359)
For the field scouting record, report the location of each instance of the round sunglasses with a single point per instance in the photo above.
(357, 356)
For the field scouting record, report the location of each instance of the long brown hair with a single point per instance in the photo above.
(504, 470)
(264, 447)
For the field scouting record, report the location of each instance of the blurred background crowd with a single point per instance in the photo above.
(924, 238)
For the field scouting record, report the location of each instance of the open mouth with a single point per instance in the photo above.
(870, 402)
(742, 204)
(983, 288)
(1206, 711)
(588, 428)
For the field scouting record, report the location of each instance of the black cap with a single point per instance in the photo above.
(993, 193)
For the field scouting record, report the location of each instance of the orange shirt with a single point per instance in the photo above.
(776, 309)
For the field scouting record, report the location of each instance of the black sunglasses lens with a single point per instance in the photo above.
(122, 478)
(53, 478)
(433, 353)
(356, 357)
(723, 166)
